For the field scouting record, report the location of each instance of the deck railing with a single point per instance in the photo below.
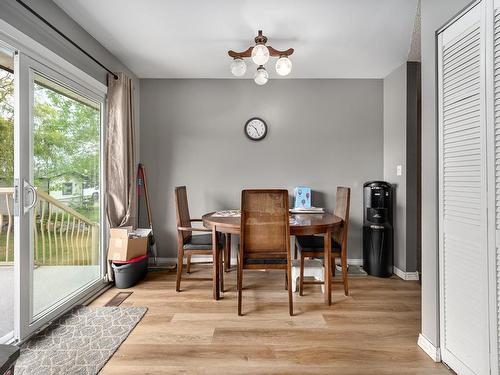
(61, 235)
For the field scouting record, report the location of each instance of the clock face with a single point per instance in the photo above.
(256, 129)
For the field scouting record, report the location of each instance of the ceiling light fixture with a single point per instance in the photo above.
(261, 76)
(238, 67)
(283, 66)
(260, 54)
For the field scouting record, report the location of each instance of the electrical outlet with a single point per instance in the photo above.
(399, 170)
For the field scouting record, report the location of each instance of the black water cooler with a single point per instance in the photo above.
(378, 251)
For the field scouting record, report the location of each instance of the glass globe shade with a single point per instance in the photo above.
(260, 54)
(283, 66)
(238, 67)
(261, 76)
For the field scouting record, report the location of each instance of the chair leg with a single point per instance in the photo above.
(188, 263)
(180, 259)
(227, 252)
(343, 261)
(290, 293)
(296, 252)
(286, 281)
(239, 286)
(333, 267)
(301, 277)
(221, 270)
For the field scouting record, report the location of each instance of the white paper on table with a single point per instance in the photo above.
(227, 213)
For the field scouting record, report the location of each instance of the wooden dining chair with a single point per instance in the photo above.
(208, 243)
(265, 236)
(312, 246)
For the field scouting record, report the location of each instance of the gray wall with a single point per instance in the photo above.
(434, 14)
(395, 154)
(322, 133)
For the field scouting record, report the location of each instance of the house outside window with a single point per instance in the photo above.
(67, 188)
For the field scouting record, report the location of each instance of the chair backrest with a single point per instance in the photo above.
(265, 225)
(342, 207)
(182, 211)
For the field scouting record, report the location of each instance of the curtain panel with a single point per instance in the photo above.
(120, 153)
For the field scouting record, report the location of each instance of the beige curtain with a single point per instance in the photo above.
(120, 154)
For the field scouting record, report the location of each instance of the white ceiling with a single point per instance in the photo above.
(190, 38)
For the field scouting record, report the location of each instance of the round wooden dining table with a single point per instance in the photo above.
(300, 225)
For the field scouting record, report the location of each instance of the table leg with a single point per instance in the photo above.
(327, 266)
(227, 253)
(216, 270)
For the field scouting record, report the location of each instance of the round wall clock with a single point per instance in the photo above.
(256, 129)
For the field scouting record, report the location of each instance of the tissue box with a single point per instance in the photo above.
(302, 197)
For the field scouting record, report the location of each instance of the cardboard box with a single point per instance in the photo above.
(125, 244)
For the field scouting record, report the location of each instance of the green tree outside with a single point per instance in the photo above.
(66, 140)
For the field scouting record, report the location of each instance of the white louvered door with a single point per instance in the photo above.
(493, 136)
(463, 225)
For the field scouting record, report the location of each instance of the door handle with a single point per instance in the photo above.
(32, 189)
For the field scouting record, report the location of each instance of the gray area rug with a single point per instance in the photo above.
(80, 342)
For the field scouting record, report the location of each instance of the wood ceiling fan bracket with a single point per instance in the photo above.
(240, 55)
(277, 53)
(248, 53)
(260, 39)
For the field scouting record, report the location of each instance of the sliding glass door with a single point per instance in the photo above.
(57, 196)
(66, 128)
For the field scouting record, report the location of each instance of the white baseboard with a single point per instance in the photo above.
(406, 275)
(429, 349)
(195, 259)
(355, 262)
(208, 258)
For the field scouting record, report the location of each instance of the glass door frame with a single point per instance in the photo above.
(27, 61)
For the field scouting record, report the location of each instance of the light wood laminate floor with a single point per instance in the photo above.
(373, 331)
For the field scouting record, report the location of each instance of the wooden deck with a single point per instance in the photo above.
(50, 285)
(373, 331)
